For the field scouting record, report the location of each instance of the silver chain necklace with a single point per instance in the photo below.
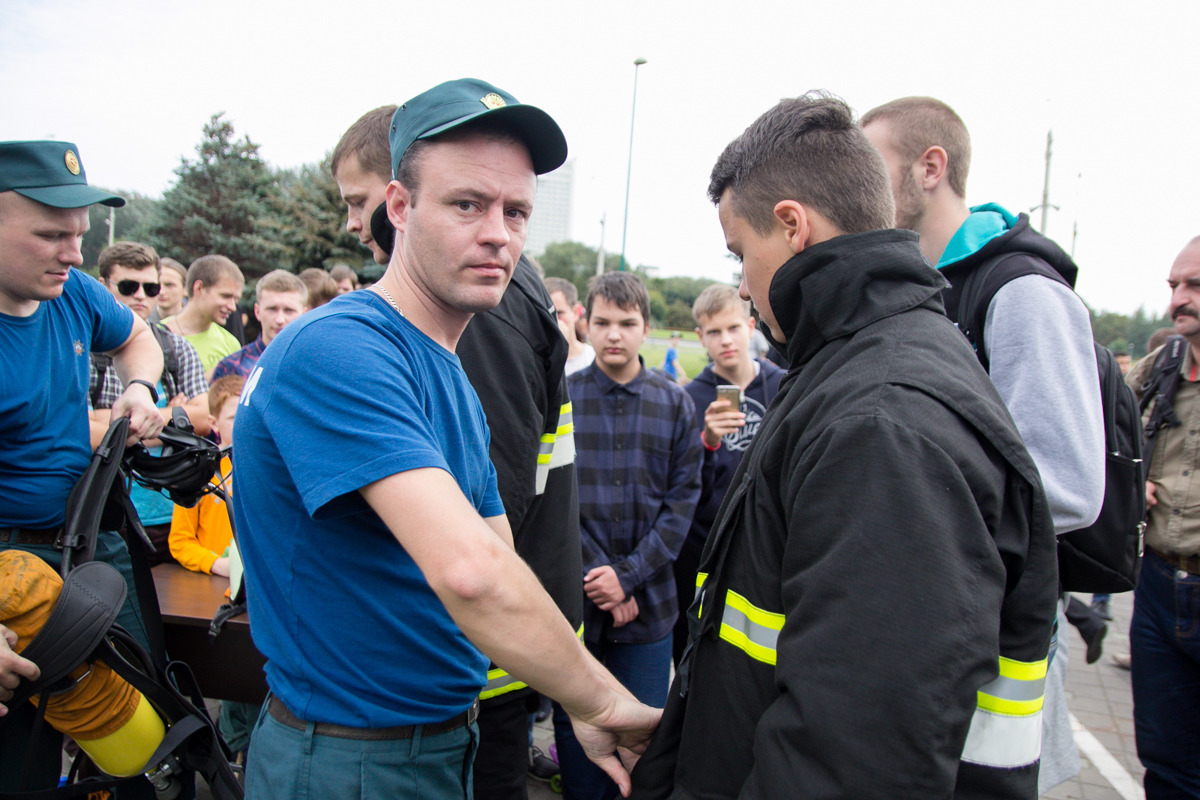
(388, 296)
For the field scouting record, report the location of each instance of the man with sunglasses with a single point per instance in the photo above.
(130, 270)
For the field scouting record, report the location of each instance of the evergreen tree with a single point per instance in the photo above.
(307, 217)
(130, 219)
(218, 204)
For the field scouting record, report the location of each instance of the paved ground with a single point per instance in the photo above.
(1098, 696)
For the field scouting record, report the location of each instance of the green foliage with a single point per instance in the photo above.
(218, 205)
(305, 216)
(576, 262)
(129, 218)
(1121, 332)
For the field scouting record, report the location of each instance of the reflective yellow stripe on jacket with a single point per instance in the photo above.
(750, 629)
(500, 682)
(556, 449)
(1006, 729)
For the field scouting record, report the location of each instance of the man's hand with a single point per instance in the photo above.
(220, 566)
(13, 667)
(1151, 500)
(721, 418)
(144, 420)
(625, 613)
(617, 736)
(603, 588)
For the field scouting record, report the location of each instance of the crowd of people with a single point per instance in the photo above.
(462, 489)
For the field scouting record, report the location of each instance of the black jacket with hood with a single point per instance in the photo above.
(884, 554)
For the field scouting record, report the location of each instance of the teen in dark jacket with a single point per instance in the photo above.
(879, 586)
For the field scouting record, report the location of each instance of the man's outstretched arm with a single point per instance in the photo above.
(499, 604)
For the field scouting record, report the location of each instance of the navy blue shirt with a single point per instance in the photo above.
(638, 463)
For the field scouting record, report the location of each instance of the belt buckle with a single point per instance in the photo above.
(473, 712)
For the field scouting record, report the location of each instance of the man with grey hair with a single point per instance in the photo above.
(877, 592)
(279, 297)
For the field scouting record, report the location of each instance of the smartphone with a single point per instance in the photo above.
(732, 393)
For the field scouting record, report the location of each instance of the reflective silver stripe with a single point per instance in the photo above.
(562, 454)
(500, 682)
(1015, 690)
(750, 629)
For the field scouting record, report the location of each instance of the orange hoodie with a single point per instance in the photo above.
(200, 535)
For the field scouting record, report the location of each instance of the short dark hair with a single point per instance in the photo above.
(623, 289)
(367, 140)
(806, 149)
(919, 123)
(569, 292)
(133, 255)
(408, 172)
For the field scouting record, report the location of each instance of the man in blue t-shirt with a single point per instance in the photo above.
(51, 317)
(379, 562)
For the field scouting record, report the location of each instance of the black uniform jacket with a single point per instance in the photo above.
(889, 524)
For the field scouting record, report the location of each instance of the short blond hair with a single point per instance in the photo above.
(717, 298)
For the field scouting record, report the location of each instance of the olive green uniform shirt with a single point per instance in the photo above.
(1174, 522)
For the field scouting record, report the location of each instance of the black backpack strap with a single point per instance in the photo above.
(237, 603)
(170, 359)
(101, 363)
(1159, 389)
(89, 498)
(981, 285)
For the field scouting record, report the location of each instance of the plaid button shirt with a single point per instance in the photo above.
(189, 382)
(242, 362)
(638, 463)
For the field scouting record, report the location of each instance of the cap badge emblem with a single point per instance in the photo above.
(72, 162)
(493, 100)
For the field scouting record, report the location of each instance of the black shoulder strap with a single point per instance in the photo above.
(1159, 388)
(981, 285)
(170, 357)
(100, 362)
(90, 496)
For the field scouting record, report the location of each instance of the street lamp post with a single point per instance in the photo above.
(637, 62)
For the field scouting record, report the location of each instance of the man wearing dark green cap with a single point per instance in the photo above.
(51, 317)
(386, 517)
(514, 356)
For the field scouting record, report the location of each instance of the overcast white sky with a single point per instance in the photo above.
(133, 82)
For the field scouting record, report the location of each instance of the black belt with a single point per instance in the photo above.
(30, 535)
(1186, 563)
(280, 712)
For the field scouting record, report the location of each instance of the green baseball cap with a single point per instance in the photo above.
(50, 173)
(454, 103)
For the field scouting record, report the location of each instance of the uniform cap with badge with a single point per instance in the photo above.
(454, 103)
(50, 173)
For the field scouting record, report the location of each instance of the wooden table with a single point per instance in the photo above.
(230, 668)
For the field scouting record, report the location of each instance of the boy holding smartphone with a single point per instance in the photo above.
(724, 325)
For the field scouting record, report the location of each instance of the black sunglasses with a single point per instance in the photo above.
(128, 287)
